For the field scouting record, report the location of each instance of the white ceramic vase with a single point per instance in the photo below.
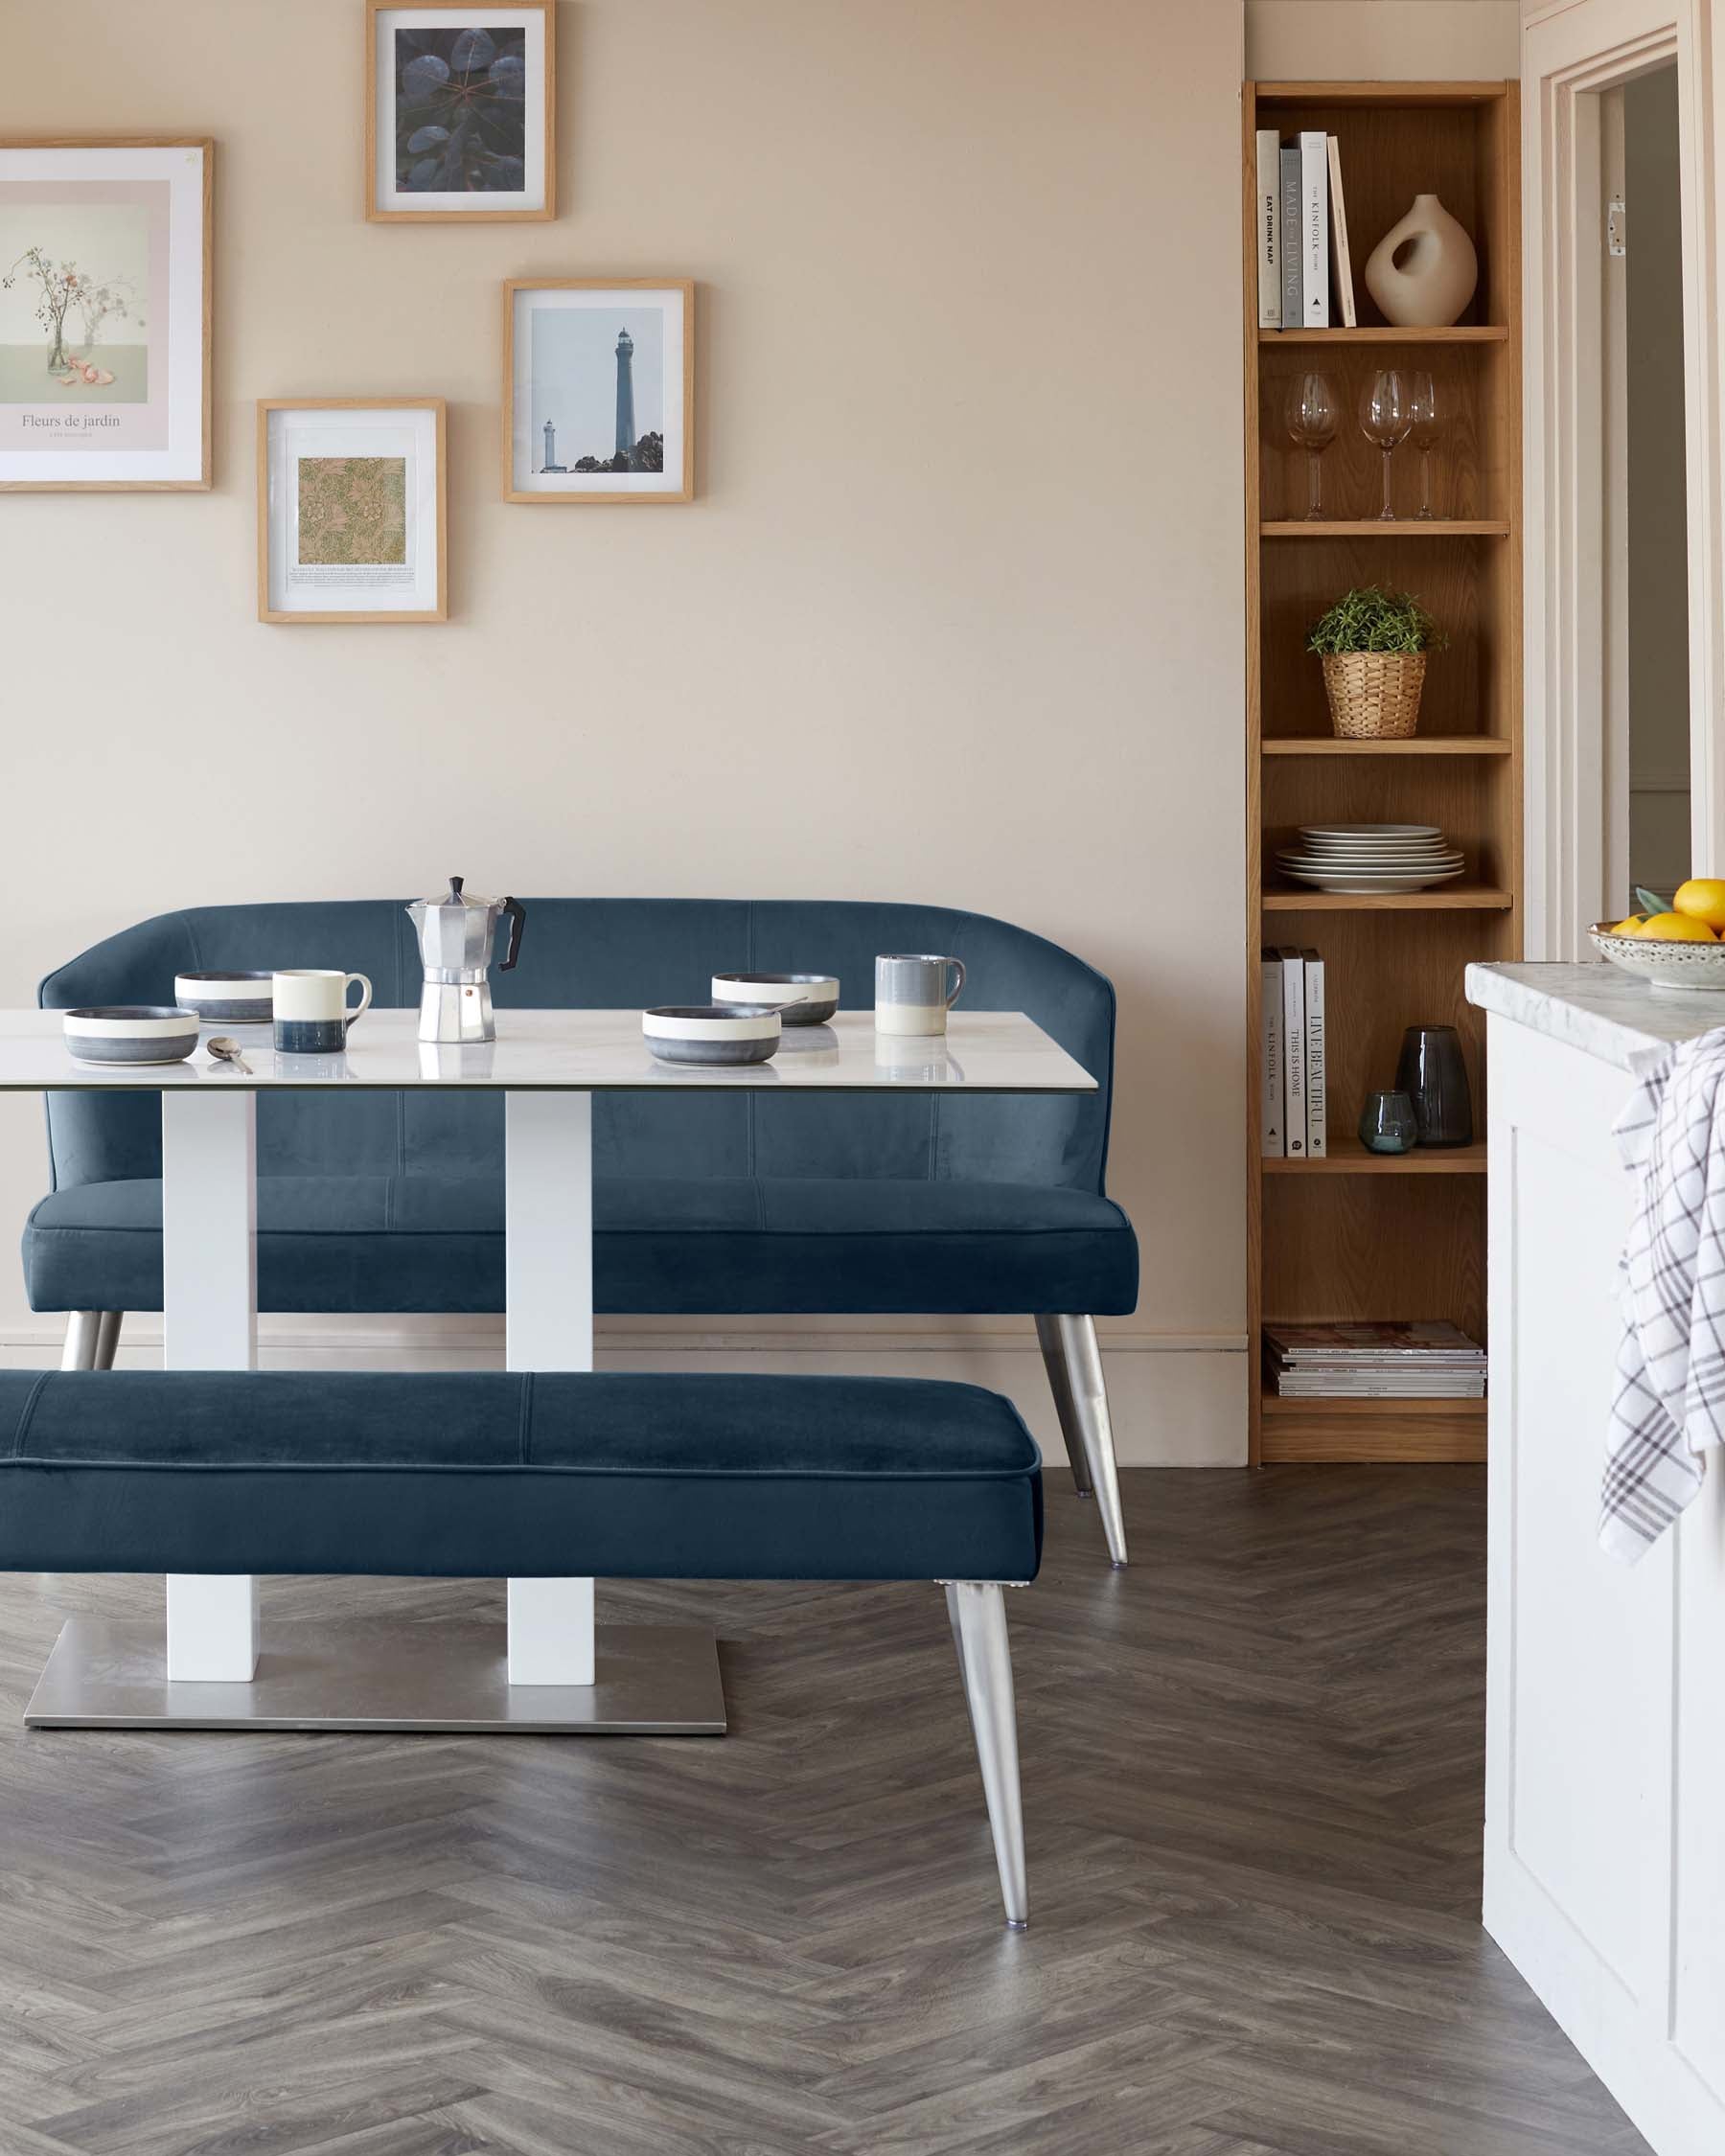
(1423, 271)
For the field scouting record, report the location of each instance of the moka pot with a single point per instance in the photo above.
(456, 935)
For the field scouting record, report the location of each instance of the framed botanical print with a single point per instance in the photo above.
(598, 389)
(104, 312)
(350, 509)
(460, 111)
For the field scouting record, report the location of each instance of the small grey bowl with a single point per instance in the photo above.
(227, 998)
(799, 999)
(129, 1033)
(712, 1033)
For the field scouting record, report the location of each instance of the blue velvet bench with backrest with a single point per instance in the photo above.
(705, 1205)
(478, 1474)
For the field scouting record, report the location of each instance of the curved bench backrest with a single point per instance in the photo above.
(620, 954)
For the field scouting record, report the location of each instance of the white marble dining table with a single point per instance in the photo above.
(548, 1065)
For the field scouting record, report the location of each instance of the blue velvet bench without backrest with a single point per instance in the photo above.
(703, 1205)
(491, 1476)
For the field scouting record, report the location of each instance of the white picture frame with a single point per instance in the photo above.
(352, 510)
(104, 314)
(577, 352)
(466, 106)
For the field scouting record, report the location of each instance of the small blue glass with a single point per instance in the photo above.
(1388, 1124)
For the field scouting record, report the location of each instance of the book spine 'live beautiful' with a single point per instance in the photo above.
(1317, 1116)
(1268, 229)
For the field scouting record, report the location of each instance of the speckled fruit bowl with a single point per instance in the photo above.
(1674, 967)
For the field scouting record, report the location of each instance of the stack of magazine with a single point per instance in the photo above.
(1363, 1361)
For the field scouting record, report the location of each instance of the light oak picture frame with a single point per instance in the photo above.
(393, 206)
(673, 300)
(191, 241)
(418, 518)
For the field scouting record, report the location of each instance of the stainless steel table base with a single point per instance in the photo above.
(653, 1680)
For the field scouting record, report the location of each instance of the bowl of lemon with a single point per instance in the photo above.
(1680, 950)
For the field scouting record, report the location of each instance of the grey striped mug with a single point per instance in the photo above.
(911, 991)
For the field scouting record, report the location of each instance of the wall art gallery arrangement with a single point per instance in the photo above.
(106, 328)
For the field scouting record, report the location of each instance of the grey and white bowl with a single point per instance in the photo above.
(712, 1033)
(1669, 967)
(130, 1033)
(227, 998)
(800, 998)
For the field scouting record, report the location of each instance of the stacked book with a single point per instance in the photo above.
(1292, 1057)
(1301, 232)
(1363, 1361)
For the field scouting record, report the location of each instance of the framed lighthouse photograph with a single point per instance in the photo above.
(598, 390)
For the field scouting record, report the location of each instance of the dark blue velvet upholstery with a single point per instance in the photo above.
(739, 1203)
(478, 1474)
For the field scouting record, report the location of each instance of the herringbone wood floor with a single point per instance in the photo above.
(1253, 1777)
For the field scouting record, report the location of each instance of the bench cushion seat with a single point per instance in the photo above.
(664, 1244)
(484, 1474)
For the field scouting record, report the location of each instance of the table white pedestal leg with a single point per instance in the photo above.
(548, 1270)
(210, 1323)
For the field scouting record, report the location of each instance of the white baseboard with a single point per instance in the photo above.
(1177, 1399)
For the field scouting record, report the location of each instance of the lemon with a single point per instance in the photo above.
(1703, 899)
(1677, 927)
(1632, 927)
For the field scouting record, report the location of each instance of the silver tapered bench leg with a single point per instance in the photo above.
(977, 1610)
(1074, 1362)
(1048, 1335)
(91, 1338)
(82, 1328)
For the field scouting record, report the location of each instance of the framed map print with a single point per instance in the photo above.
(460, 112)
(351, 514)
(598, 389)
(104, 312)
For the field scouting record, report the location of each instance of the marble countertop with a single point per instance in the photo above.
(1594, 1007)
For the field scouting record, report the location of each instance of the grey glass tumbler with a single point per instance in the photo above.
(1388, 1124)
(1433, 1074)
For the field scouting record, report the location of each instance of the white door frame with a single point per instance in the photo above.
(1570, 50)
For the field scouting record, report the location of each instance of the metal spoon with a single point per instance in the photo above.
(225, 1050)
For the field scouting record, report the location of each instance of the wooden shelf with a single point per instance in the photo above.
(1358, 1235)
(1433, 745)
(1396, 527)
(1347, 1156)
(1400, 1431)
(1449, 898)
(1490, 334)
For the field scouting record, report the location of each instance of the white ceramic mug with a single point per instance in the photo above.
(312, 1014)
(911, 995)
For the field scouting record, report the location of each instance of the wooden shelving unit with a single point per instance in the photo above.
(1358, 1235)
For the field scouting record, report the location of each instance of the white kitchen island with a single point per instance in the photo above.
(1605, 1684)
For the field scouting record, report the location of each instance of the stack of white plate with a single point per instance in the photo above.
(1372, 860)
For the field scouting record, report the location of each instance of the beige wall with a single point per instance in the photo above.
(964, 569)
(1339, 40)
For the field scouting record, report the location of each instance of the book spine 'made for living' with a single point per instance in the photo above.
(1293, 254)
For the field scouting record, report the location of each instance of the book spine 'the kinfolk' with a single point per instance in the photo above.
(1343, 259)
(1313, 187)
(1268, 229)
(1275, 1129)
(1317, 1115)
(1293, 1108)
(1293, 254)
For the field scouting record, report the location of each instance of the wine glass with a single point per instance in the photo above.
(1424, 434)
(1386, 415)
(1313, 416)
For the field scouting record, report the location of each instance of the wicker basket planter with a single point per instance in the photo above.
(1374, 696)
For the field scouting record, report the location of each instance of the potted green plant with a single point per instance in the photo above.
(1374, 643)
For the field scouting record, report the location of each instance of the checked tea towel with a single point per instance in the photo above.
(1669, 1402)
